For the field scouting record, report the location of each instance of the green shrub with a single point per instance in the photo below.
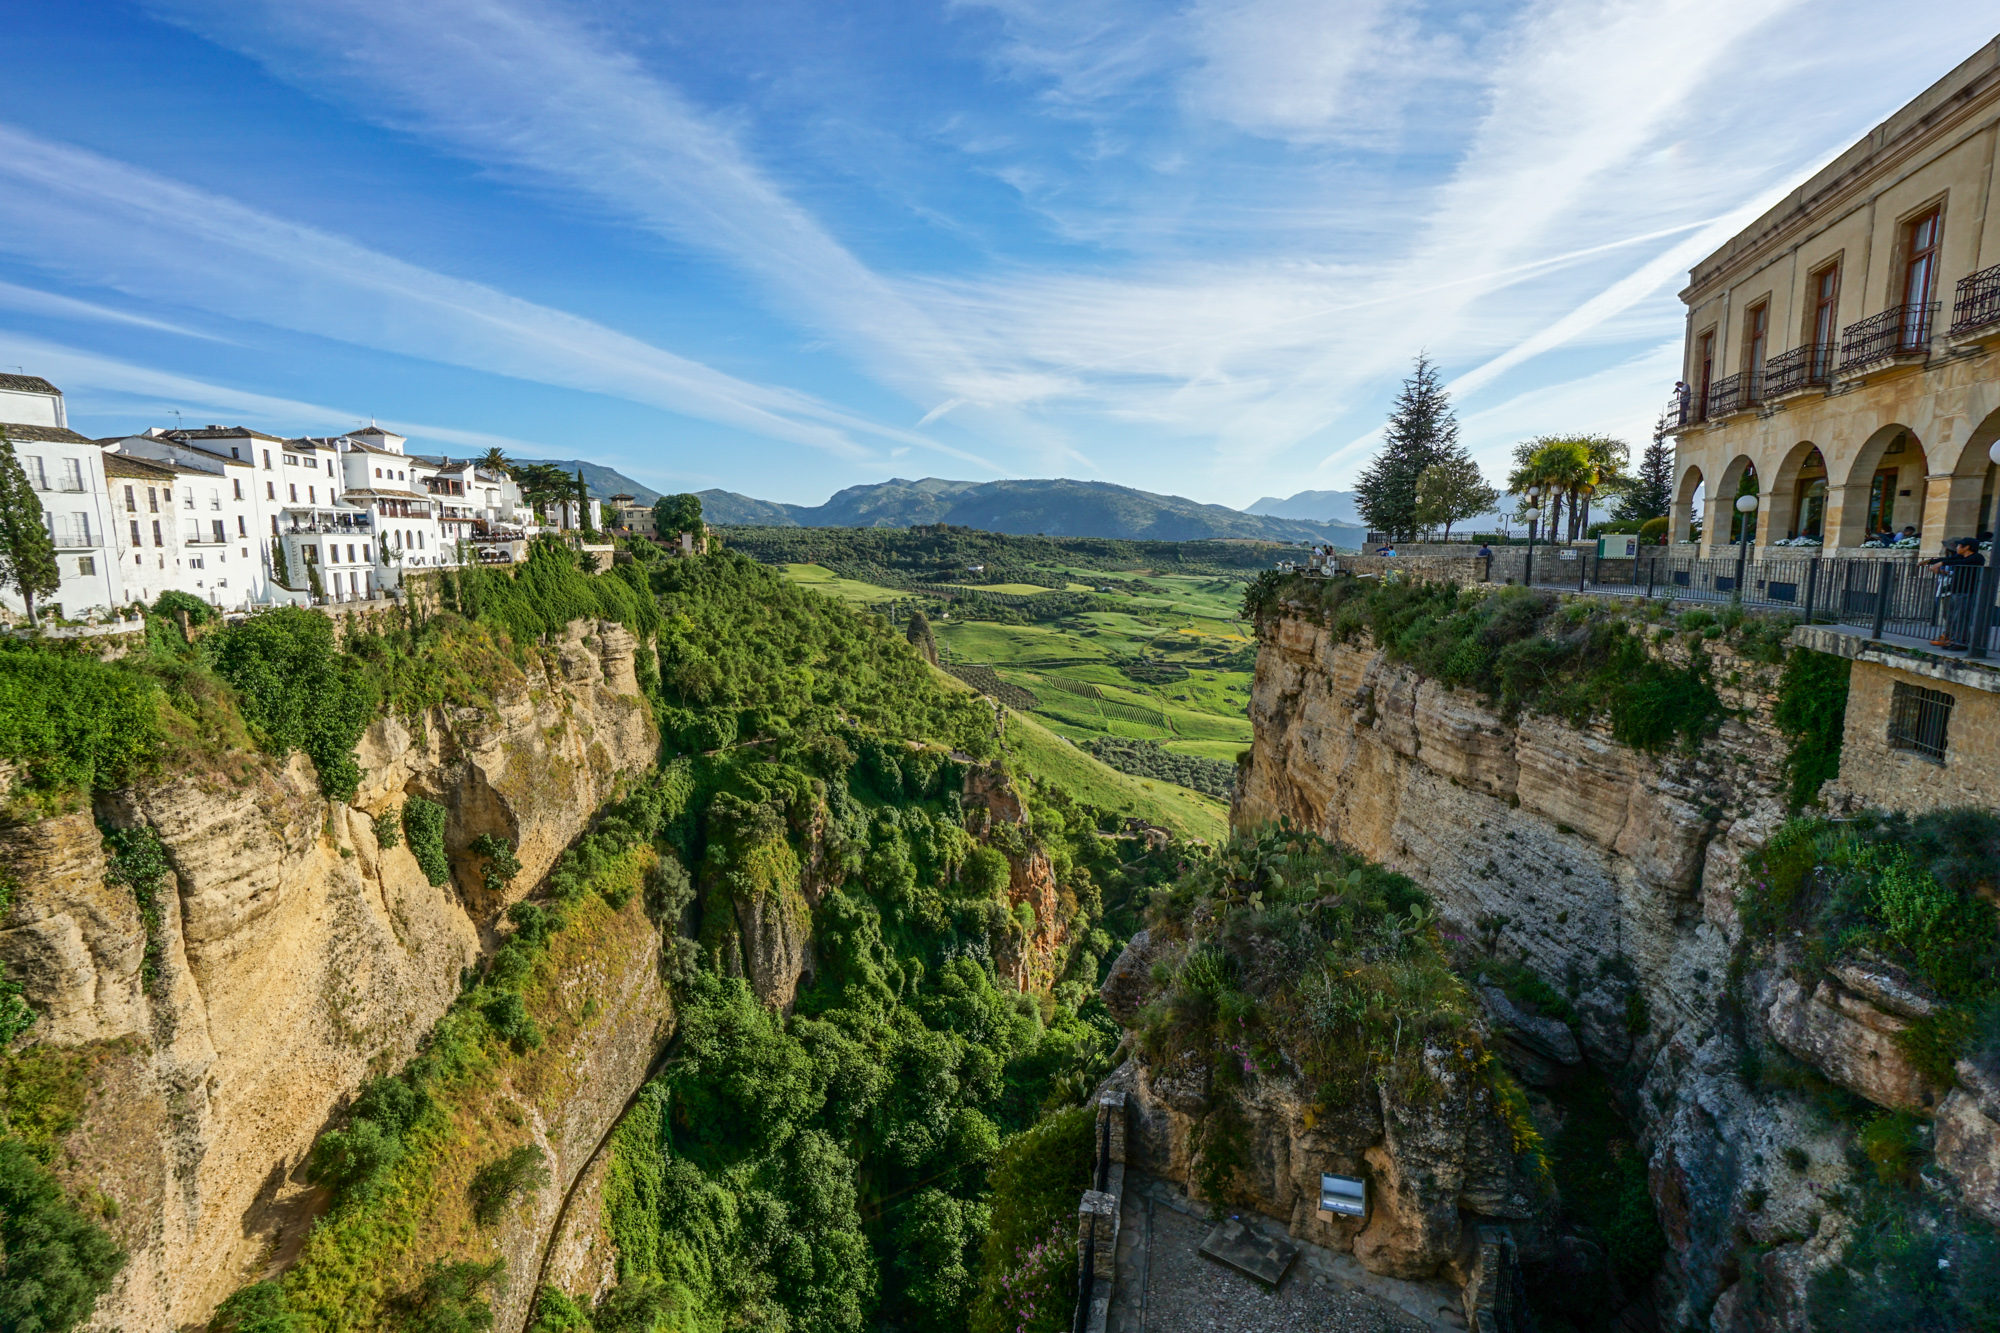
(354, 1161)
(423, 824)
(1892, 1142)
(1036, 1181)
(299, 692)
(54, 1261)
(136, 858)
(508, 1014)
(501, 863)
(72, 721)
(258, 1308)
(452, 1298)
(524, 1170)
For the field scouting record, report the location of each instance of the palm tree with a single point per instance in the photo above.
(1562, 468)
(496, 460)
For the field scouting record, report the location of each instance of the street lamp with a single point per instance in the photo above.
(1746, 505)
(1534, 505)
(1986, 580)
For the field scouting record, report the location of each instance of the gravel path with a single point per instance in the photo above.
(1186, 1293)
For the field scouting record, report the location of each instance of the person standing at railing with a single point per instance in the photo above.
(1958, 587)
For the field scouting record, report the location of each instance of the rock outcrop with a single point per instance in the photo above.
(293, 955)
(1613, 873)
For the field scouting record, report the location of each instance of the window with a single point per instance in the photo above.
(135, 533)
(1919, 276)
(293, 487)
(242, 526)
(267, 460)
(1704, 370)
(131, 501)
(350, 553)
(157, 539)
(72, 474)
(1825, 318)
(291, 460)
(86, 564)
(312, 495)
(1757, 330)
(238, 486)
(270, 490)
(378, 472)
(152, 501)
(366, 558)
(233, 453)
(37, 476)
(187, 501)
(1920, 721)
(221, 534)
(215, 497)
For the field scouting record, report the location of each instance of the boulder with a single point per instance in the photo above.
(1851, 1041)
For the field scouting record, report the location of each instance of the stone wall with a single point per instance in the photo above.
(1876, 772)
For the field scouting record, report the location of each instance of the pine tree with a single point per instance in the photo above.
(921, 637)
(27, 553)
(583, 502)
(1421, 432)
(1652, 492)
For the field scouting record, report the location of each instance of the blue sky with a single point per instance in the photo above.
(785, 247)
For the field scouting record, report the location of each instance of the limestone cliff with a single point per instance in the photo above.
(293, 955)
(1613, 874)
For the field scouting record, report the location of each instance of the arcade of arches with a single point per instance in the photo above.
(1893, 485)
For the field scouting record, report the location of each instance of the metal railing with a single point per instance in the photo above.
(1802, 368)
(1891, 597)
(1901, 330)
(1977, 302)
(360, 525)
(1732, 393)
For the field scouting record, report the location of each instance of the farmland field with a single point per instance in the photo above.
(1158, 656)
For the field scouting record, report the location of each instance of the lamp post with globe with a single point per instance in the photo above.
(1746, 505)
(1533, 506)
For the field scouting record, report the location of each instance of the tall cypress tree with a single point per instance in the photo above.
(1652, 491)
(27, 553)
(1421, 432)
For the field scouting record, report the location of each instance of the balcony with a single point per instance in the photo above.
(1901, 331)
(349, 526)
(1796, 371)
(1735, 393)
(1976, 307)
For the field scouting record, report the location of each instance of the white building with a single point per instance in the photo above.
(145, 527)
(67, 474)
(219, 498)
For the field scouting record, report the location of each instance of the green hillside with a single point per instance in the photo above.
(1118, 642)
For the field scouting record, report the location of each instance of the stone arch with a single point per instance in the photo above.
(1681, 525)
(1891, 461)
(1963, 499)
(1720, 529)
(1795, 502)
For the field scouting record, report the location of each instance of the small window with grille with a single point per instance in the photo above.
(1920, 721)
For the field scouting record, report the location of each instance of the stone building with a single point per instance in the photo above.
(1840, 356)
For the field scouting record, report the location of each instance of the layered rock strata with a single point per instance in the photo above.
(1613, 873)
(294, 955)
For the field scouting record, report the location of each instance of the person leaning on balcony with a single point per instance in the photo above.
(1958, 586)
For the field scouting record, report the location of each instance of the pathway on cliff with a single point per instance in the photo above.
(1166, 1286)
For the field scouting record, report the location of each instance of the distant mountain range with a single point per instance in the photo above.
(1055, 507)
(602, 482)
(1312, 506)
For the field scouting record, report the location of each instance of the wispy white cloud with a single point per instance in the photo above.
(30, 301)
(114, 226)
(524, 87)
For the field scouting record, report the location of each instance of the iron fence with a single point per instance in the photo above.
(1732, 393)
(1901, 330)
(1892, 598)
(1977, 302)
(1802, 368)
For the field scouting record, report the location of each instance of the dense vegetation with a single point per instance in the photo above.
(1914, 893)
(1147, 759)
(1522, 649)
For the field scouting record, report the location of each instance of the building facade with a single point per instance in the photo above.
(1843, 352)
(66, 472)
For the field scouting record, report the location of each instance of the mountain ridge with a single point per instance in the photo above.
(1055, 506)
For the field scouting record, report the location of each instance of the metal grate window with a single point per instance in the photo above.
(1920, 720)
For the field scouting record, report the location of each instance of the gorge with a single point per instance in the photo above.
(669, 947)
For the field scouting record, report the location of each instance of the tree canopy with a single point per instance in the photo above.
(674, 514)
(1421, 433)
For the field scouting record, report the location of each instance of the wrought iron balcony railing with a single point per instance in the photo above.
(1802, 368)
(1977, 304)
(1901, 330)
(1733, 393)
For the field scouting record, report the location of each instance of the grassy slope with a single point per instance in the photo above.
(1186, 619)
(1039, 751)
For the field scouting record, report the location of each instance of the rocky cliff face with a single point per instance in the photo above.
(293, 956)
(1613, 873)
